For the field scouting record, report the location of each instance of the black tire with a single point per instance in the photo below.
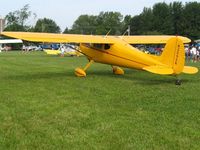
(178, 82)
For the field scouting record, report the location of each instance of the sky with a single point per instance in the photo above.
(65, 12)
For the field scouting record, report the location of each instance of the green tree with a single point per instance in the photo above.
(192, 20)
(46, 25)
(16, 21)
(109, 21)
(135, 23)
(23, 14)
(174, 18)
(11, 18)
(15, 27)
(101, 24)
(162, 18)
(126, 23)
(176, 10)
(144, 23)
(147, 20)
(85, 24)
(66, 30)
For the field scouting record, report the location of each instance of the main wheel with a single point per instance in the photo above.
(80, 72)
(118, 70)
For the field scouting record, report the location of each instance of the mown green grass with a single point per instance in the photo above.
(44, 106)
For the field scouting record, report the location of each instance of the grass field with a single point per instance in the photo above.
(44, 106)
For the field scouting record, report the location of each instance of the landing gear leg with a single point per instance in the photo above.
(79, 72)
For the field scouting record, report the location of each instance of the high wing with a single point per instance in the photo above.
(151, 39)
(59, 38)
(78, 38)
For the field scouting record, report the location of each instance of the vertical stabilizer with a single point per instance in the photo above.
(174, 54)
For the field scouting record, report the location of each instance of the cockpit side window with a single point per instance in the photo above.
(98, 46)
(107, 46)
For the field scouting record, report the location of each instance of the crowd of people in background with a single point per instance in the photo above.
(192, 53)
(5, 48)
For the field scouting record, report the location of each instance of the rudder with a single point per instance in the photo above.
(174, 55)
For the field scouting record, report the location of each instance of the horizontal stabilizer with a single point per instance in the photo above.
(190, 70)
(159, 70)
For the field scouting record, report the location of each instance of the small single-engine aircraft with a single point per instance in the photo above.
(58, 52)
(117, 51)
(69, 50)
(51, 52)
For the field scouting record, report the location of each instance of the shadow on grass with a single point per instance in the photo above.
(141, 77)
(39, 75)
(12, 54)
(135, 76)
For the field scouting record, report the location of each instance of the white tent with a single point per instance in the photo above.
(6, 41)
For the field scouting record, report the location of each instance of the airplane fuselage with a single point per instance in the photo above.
(118, 54)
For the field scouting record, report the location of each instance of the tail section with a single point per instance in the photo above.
(174, 55)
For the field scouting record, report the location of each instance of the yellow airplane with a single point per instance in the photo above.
(117, 51)
(52, 52)
(58, 52)
(71, 52)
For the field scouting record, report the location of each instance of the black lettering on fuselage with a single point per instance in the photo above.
(176, 56)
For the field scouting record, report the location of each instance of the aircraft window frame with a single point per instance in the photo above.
(87, 44)
(98, 46)
(106, 46)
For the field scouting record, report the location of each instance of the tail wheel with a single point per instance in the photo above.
(178, 82)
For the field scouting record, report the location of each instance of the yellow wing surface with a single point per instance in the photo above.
(58, 38)
(77, 38)
(152, 39)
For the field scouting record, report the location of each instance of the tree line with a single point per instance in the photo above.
(174, 18)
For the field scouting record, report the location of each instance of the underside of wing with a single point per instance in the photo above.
(162, 70)
(156, 39)
(59, 38)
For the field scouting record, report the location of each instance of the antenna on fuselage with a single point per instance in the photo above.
(128, 31)
(108, 33)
